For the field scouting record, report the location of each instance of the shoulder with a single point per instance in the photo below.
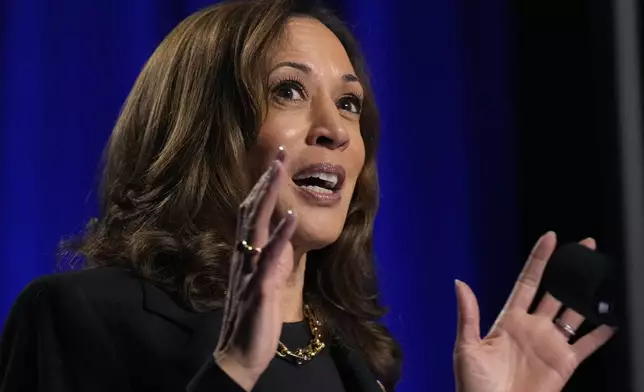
(94, 283)
(79, 289)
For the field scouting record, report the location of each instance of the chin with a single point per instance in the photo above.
(317, 227)
(315, 235)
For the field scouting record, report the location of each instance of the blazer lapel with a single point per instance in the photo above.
(203, 340)
(202, 328)
(354, 370)
(159, 302)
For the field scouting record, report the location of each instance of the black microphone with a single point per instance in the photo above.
(585, 281)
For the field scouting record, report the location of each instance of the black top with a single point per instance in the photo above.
(318, 375)
(106, 330)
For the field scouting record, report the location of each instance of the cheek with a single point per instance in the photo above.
(269, 138)
(273, 134)
(279, 129)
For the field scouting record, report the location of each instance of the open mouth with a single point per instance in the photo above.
(320, 178)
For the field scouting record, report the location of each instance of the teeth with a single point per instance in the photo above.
(328, 177)
(317, 189)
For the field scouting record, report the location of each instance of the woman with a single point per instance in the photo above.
(195, 275)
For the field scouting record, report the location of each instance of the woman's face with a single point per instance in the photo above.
(314, 113)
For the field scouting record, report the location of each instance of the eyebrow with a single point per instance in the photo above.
(349, 78)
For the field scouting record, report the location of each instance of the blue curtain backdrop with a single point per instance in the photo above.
(440, 70)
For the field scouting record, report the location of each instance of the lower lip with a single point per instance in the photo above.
(318, 198)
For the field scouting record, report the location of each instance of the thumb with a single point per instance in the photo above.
(469, 330)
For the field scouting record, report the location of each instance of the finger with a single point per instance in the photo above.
(262, 184)
(255, 193)
(272, 270)
(589, 243)
(237, 261)
(570, 318)
(592, 341)
(469, 330)
(264, 207)
(230, 300)
(229, 319)
(248, 207)
(548, 306)
(526, 286)
(254, 229)
(242, 264)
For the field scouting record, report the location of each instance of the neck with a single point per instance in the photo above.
(293, 292)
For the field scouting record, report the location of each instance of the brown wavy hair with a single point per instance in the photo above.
(175, 172)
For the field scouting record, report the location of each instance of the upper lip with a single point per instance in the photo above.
(320, 168)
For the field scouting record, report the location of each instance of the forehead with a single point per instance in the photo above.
(309, 41)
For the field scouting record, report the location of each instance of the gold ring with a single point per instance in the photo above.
(244, 246)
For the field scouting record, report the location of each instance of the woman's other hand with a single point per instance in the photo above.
(523, 352)
(252, 316)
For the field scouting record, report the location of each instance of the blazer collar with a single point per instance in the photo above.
(161, 303)
(204, 328)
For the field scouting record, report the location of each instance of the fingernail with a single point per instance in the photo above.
(543, 237)
(549, 232)
(281, 154)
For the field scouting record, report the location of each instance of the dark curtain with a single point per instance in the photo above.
(567, 128)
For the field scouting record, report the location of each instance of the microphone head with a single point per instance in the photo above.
(583, 280)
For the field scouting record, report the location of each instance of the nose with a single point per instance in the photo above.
(327, 129)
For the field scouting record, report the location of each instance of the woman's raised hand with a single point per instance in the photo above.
(260, 266)
(523, 352)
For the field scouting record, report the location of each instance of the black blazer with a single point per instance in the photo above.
(106, 330)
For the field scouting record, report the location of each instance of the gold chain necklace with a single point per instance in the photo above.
(315, 346)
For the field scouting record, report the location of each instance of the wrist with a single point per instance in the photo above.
(245, 378)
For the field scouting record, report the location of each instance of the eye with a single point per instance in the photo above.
(350, 103)
(289, 90)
